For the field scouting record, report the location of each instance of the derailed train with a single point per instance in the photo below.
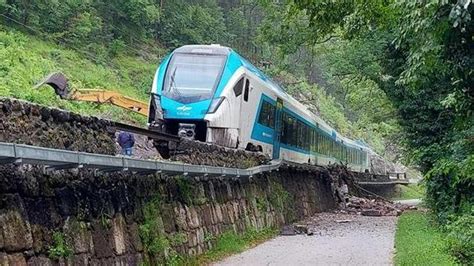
(212, 94)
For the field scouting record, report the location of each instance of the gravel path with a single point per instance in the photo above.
(361, 240)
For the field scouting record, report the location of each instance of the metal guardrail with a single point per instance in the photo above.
(56, 159)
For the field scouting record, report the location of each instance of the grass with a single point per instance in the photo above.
(419, 242)
(25, 60)
(411, 191)
(230, 243)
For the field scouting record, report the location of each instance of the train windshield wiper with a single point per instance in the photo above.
(173, 89)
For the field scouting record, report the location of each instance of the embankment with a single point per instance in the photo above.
(85, 217)
(81, 217)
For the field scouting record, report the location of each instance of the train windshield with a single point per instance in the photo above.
(193, 77)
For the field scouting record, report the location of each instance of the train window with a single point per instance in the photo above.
(246, 92)
(238, 87)
(293, 136)
(267, 115)
(284, 131)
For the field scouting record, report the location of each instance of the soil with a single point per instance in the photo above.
(334, 239)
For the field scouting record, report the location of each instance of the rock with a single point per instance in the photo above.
(192, 218)
(118, 231)
(288, 230)
(16, 232)
(16, 259)
(39, 261)
(371, 213)
(301, 228)
(343, 221)
(134, 236)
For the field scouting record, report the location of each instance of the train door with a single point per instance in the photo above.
(247, 106)
(278, 128)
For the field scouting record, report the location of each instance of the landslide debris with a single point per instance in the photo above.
(27, 123)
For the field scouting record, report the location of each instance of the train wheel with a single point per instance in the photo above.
(163, 148)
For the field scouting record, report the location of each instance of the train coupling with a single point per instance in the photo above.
(187, 131)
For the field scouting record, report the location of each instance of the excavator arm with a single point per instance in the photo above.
(61, 87)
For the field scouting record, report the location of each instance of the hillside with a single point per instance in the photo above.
(25, 60)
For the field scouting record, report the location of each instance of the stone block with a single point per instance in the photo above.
(235, 206)
(39, 261)
(118, 234)
(192, 218)
(2, 242)
(229, 190)
(81, 237)
(207, 215)
(200, 235)
(3, 259)
(167, 214)
(192, 252)
(200, 249)
(40, 238)
(180, 217)
(192, 239)
(212, 192)
(16, 259)
(103, 242)
(16, 232)
(218, 212)
(134, 237)
(81, 259)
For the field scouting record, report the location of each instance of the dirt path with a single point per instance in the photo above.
(361, 240)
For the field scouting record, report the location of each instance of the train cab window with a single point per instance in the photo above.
(238, 87)
(267, 115)
(246, 91)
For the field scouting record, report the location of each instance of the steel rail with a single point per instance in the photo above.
(146, 132)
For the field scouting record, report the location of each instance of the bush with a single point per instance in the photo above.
(461, 237)
(60, 248)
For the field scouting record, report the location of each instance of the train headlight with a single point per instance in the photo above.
(216, 102)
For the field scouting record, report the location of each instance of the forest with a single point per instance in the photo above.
(395, 74)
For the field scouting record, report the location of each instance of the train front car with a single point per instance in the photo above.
(211, 94)
(189, 95)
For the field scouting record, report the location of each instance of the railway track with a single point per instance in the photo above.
(156, 135)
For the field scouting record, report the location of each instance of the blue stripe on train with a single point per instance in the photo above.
(265, 134)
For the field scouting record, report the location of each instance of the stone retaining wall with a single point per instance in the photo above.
(78, 217)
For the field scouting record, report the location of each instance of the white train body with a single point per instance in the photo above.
(231, 103)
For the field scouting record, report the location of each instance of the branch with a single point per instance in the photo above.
(327, 39)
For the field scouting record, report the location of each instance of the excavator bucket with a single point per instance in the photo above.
(59, 83)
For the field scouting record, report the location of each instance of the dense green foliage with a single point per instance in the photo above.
(420, 54)
(419, 242)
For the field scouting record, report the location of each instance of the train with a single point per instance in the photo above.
(210, 93)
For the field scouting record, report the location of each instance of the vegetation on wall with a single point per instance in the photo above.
(60, 248)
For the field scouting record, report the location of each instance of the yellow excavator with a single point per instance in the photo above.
(59, 82)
